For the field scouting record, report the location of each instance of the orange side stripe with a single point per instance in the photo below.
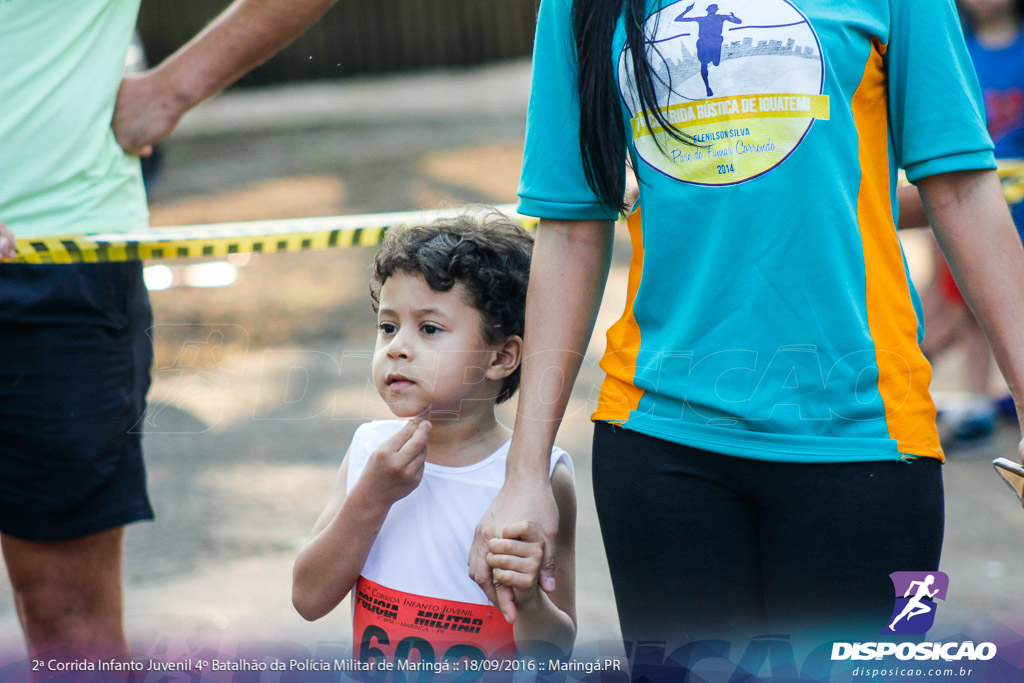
(619, 395)
(903, 372)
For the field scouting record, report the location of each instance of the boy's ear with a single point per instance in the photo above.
(506, 358)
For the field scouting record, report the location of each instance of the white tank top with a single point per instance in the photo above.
(423, 546)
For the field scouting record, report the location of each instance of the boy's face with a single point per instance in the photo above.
(431, 359)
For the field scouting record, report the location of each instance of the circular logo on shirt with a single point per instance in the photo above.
(744, 78)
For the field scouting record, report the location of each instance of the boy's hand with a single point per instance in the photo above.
(396, 466)
(516, 559)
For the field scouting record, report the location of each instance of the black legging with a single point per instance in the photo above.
(707, 545)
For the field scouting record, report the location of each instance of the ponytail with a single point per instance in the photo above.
(602, 142)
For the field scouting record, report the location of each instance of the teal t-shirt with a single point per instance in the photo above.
(61, 170)
(769, 311)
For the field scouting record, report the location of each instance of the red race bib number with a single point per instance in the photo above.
(390, 625)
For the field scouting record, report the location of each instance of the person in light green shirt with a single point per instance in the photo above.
(75, 364)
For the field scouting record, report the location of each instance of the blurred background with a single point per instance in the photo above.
(262, 361)
(364, 37)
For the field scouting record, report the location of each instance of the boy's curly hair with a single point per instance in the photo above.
(488, 254)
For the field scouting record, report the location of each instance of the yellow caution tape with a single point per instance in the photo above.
(221, 239)
(301, 234)
(1011, 173)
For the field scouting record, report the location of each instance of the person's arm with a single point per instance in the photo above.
(150, 104)
(545, 624)
(567, 278)
(328, 566)
(973, 226)
(6, 242)
(680, 17)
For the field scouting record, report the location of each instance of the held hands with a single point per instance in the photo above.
(6, 242)
(395, 468)
(146, 112)
(521, 498)
(515, 559)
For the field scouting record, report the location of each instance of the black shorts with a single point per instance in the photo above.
(75, 357)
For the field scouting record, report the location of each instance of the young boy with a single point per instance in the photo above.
(450, 301)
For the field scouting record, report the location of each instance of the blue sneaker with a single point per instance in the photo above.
(1006, 407)
(973, 428)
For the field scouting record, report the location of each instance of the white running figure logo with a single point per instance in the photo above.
(915, 606)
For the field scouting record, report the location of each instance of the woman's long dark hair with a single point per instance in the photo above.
(602, 144)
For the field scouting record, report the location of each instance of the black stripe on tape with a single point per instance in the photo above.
(282, 245)
(40, 247)
(182, 252)
(257, 247)
(158, 252)
(307, 243)
(332, 239)
(73, 250)
(207, 250)
(357, 237)
(233, 248)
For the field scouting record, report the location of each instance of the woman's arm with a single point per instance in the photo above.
(545, 625)
(330, 563)
(973, 226)
(567, 278)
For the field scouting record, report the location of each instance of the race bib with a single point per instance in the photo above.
(389, 625)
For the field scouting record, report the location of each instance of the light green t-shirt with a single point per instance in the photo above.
(61, 170)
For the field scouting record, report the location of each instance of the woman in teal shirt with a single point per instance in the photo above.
(765, 448)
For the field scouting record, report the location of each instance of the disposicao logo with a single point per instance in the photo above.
(914, 613)
(916, 593)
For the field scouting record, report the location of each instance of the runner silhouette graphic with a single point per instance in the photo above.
(709, 38)
(915, 606)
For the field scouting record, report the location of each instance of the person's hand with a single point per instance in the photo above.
(395, 467)
(146, 112)
(7, 250)
(521, 499)
(515, 559)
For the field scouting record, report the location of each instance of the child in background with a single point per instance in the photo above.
(450, 301)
